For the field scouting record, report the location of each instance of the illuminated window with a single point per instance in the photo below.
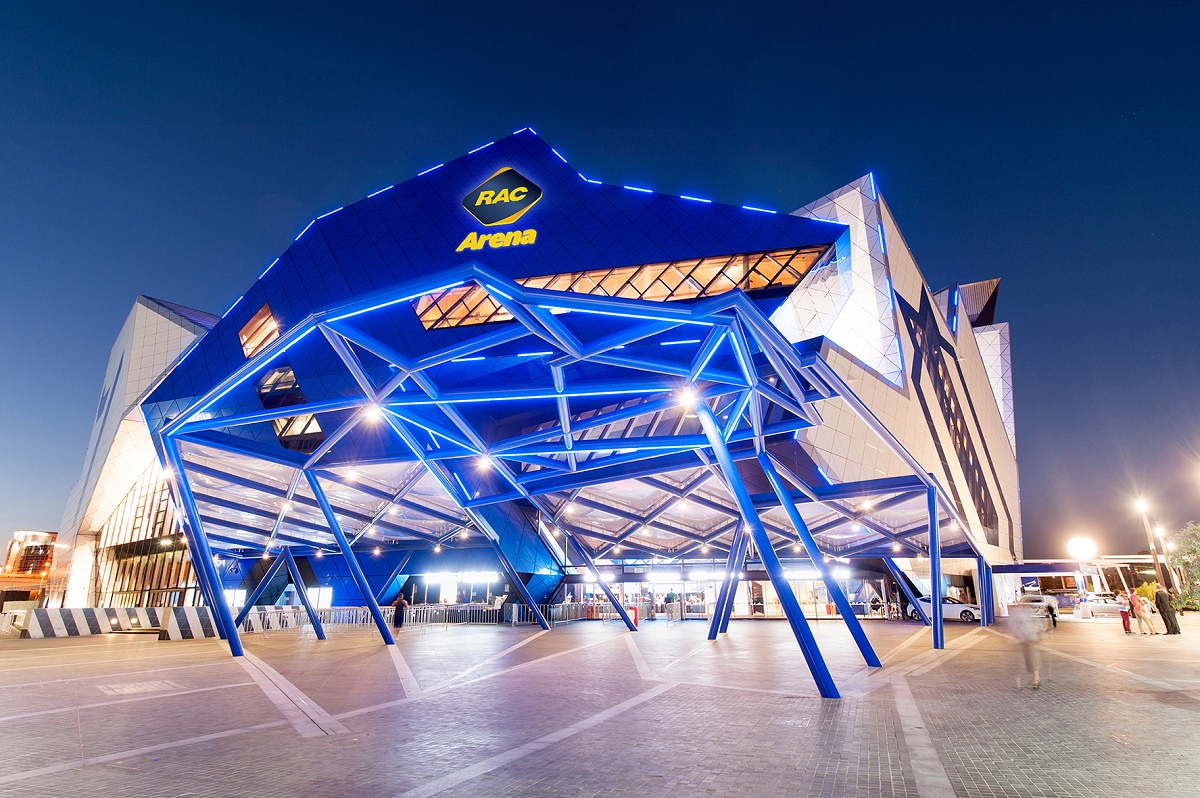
(299, 433)
(280, 388)
(658, 282)
(261, 330)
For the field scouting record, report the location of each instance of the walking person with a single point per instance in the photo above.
(1028, 627)
(1141, 611)
(401, 605)
(1123, 600)
(1162, 600)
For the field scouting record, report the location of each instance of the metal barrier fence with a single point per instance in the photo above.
(342, 620)
(336, 620)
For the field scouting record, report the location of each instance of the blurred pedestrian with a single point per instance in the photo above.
(1123, 601)
(401, 606)
(1028, 627)
(1162, 600)
(1141, 611)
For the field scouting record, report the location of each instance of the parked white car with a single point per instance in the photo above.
(951, 608)
(1103, 604)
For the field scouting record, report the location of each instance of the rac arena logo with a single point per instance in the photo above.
(501, 199)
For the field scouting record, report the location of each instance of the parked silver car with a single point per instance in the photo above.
(1047, 605)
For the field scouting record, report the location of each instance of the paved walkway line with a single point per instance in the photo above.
(408, 679)
(869, 680)
(436, 786)
(643, 667)
(137, 658)
(1159, 683)
(447, 685)
(694, 651)
(305, 715)
(495, 657)
(120, 755)
(960, 645)
(73, 708)
(908, 641)
(45, 682)
(927, 768)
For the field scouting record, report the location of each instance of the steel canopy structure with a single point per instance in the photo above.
(605, 384)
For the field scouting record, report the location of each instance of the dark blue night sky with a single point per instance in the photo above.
(176, 154)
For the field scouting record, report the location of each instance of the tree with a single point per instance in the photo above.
(1186, 557)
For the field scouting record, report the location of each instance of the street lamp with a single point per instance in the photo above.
(1143, 508)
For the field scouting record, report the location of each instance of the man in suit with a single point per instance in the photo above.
(1162, 600)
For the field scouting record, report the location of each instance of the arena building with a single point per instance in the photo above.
(514, 382)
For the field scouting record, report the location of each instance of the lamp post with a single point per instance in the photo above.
(1162, 537)
(1143, 508)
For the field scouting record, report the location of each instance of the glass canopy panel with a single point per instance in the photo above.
(466, 305)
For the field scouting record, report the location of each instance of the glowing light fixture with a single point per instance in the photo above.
(1081, 548)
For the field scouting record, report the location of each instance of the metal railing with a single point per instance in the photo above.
(335, 620)
(342, 620)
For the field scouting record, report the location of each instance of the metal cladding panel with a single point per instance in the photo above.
(414, 229)
(524, 547)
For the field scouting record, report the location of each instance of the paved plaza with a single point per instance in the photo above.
(589, 709)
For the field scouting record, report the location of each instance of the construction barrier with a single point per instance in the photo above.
(188, 623)
(65, 623)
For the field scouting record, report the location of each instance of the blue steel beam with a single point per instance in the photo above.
(935, 572)
(435, 469)
(728, 581)
(261, 416)
(356, 572)
(399, 569)
(591, 566)
(835, 590)
(302, 592)
(202, 556)
(902, 583)
(791, 607)
(983, 589)
(740, 562)
(259, 589)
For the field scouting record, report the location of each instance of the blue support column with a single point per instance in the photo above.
(629, 624)
(256, 594)
(791, 607)
(835, 590)
(728, 581)
(302, 592)
(395, 573)
(991, 583)
(902, 583)
(201, 553)
(356, 571)
(515, 579)
(734, 580)
(935, 572)
(983, 587)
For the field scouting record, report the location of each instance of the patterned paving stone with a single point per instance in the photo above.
(578, 711)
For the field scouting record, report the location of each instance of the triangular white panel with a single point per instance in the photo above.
(995, 350)
(849, 301)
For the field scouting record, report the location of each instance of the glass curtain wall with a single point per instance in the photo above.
(143, 559)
